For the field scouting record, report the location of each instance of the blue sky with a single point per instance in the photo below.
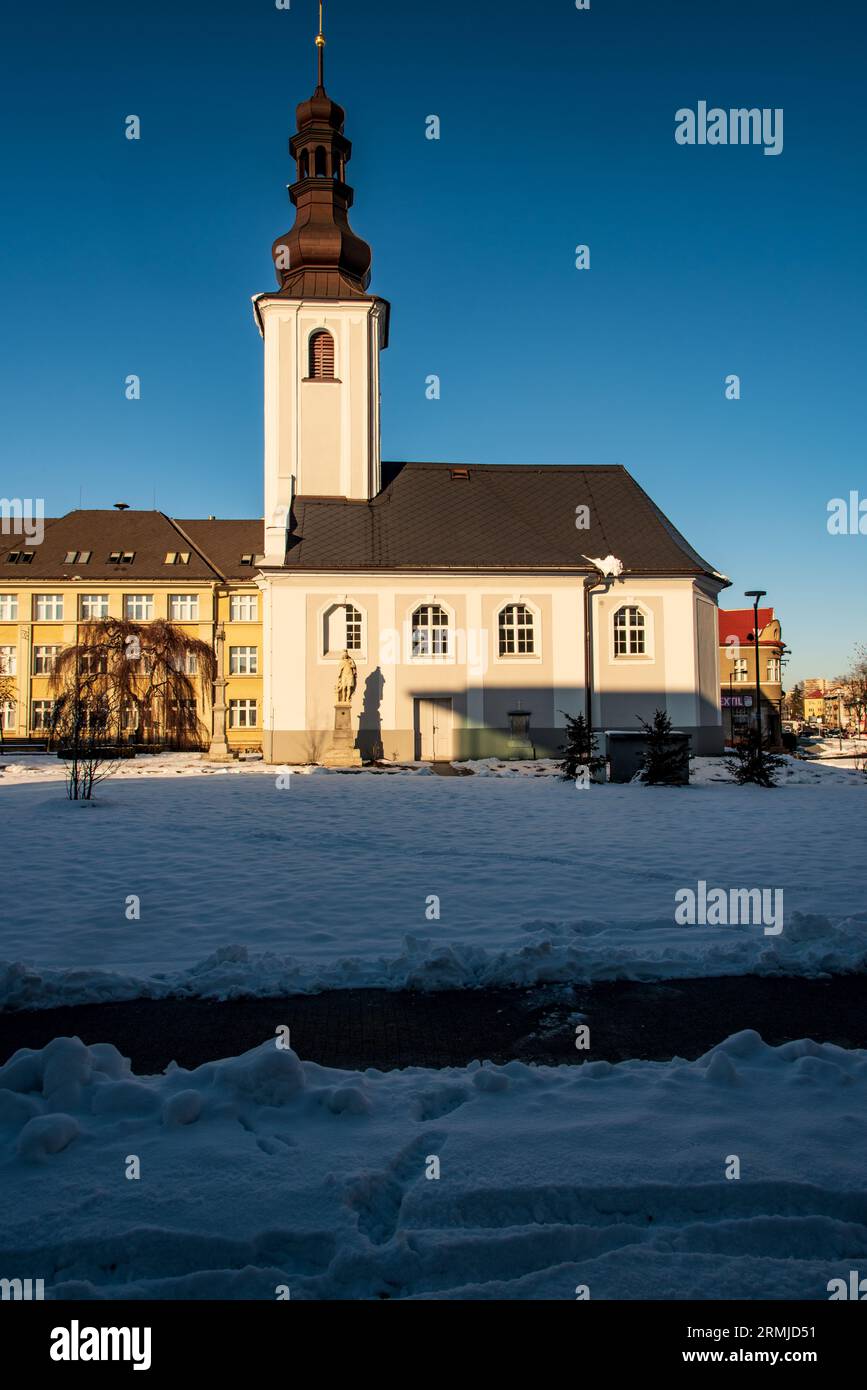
(557, 129)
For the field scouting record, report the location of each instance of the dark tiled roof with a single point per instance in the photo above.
(501, 517)
(225, 542)
(150, 535)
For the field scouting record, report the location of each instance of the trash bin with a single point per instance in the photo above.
(626, 750)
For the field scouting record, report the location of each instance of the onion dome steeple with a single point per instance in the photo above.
(321, 257)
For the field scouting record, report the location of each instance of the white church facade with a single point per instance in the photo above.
(464, 594)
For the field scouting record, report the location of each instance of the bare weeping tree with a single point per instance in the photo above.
(8, 691)
(125, 682)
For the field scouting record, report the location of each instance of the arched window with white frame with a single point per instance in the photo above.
(430, 631)
(517, 630)
(343, 629)
(630, 631)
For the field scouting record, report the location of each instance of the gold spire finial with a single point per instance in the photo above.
(320, 45)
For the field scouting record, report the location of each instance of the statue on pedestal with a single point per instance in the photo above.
(346, 680)
(343, 752)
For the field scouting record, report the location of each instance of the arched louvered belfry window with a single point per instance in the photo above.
(304, 165)
(321, 356)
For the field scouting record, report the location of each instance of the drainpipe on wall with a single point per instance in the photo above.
(590, 583)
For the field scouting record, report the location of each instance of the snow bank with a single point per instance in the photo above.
(264, 1171)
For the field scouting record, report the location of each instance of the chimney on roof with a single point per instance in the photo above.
(122, 506)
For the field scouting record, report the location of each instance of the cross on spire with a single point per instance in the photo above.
(320, 45)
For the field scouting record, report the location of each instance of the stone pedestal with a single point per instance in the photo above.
(519, 745)
(219, 751)
(342, 752)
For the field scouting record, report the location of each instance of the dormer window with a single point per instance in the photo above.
(177, 557)
(121, 557)
(321, 356)
(77, 557)
(246, 559)
(20, 557)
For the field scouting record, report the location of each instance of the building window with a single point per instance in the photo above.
(77, 557)
(630, 632)
(321, 356)
(138, 607)
(243, 608)
(774, 670)
(183, 608)
(177, 557)
(41, 717)
(93, 663)
(20, 557)
(48, 607)
(121, 557)
(188, 662)
(430, 631)
(242, 714)
(243, 661)
(7, 716)
(8, 661)
(94, 606)
(43, 660)
(517, 631)
(343, 629)
(8, 608)
(741, 670)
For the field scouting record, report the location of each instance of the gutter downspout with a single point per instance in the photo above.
(591, 582)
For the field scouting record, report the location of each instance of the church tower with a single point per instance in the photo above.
(322, 332)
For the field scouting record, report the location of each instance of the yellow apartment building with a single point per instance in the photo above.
(138, 565)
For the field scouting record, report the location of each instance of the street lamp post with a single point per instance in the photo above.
(756, 595)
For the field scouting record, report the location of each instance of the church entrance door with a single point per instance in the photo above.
(433, 730)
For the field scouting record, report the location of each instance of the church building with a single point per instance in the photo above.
(464, 593)
(480, 603)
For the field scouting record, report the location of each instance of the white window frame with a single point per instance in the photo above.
(43, 721)
(245, 707)
(178, 603)
(8, 608)
(48, 608)
(775, 670)
(86, 602)
(740, 671)
(329, 612)
(8, 660)
(131, 602)
(237, 601)
(8, 716)
(243, 661)
(431, 658)
(43, 664)
(648, 654)
(510, 658)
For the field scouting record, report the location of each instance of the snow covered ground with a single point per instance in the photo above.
(265, 1171)
(328, 881)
